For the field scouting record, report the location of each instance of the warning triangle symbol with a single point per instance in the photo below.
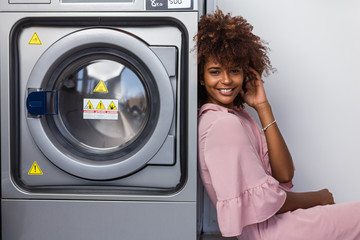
(35, 169)
(112, 106)
(89, 105)
(101, 87)
(35, 40)
(100, 106)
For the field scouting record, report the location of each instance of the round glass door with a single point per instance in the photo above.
(112, 117)
(125, 95)
(103, 106)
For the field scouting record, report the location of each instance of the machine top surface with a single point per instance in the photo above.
(97, 5)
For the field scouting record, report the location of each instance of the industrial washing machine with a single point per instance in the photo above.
(98, 119)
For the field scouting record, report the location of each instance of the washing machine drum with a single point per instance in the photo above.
(99, 103)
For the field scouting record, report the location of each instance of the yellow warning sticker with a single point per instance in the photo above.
(112, 106)
(101, 87)
(100, 106)
(35, 169)
(89, 105)
(35, 40)
(106, 109)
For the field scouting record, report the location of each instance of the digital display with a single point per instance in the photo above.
(174, 4)
(169, 4)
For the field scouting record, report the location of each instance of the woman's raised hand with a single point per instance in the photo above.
(255, 93)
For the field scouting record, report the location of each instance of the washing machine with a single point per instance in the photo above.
(98, 119)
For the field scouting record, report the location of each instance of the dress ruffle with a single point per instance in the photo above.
(249, 208)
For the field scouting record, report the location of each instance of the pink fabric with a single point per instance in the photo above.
(235, 170)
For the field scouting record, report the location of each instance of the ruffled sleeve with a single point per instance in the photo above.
(245, 193)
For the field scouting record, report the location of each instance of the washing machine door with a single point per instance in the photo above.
(99, 103)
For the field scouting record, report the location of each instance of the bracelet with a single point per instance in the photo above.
(264, 129)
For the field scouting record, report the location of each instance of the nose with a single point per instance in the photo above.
(225, 79)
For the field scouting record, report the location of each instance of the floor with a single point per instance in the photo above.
(215, 237)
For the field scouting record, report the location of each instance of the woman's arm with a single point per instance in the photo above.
(306, 200)
(280, 158)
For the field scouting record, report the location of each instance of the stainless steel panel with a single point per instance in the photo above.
(157, 176)
(105, 220)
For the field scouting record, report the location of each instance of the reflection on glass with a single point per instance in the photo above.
(102, 135)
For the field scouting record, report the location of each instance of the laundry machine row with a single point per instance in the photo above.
(98, 119)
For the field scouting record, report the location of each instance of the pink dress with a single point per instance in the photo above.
(235, 170)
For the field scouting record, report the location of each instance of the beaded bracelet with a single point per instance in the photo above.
(264, 129)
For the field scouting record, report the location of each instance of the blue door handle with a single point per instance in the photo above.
(37, 103)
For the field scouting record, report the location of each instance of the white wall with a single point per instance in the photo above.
(315, 47)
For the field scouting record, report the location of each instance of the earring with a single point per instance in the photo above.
(202, 83)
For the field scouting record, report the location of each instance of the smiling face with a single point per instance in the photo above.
(222, 84)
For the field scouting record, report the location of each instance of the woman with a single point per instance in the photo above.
(247, 171)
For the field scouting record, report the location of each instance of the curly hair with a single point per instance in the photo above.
(230, 41)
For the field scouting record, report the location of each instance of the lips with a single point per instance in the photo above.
(226, 91)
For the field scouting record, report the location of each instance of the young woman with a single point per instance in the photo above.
(247, 170)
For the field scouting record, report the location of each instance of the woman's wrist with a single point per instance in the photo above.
(265, 114)
(262, 107)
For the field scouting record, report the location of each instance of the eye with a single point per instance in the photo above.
(214, 72)
(235, 71)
